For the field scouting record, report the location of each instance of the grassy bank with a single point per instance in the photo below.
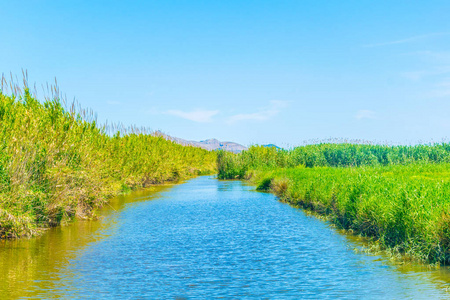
(403, 203)
(57, 164)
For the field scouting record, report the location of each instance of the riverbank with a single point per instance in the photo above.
(404, 207)
(57, 163)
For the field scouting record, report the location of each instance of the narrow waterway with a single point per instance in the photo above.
(205, 239)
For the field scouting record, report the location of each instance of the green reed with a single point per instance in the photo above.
(332, 155)
(57, 163)
(399, 196)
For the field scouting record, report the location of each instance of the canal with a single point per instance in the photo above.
(206, 239)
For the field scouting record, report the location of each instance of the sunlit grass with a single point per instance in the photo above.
(57, 163)
(400, 196)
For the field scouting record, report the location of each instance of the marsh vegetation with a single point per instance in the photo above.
(397, 195)
(57, 163)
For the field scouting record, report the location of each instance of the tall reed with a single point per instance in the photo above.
(57, 163)
(399, 196)
(331, 155)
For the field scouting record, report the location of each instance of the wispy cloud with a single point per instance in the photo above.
(436, 64)
(407, 40)
(262, 115)
(435, 56)
(201, 116)
(365, 114)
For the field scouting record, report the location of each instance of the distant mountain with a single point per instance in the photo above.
(210, 144)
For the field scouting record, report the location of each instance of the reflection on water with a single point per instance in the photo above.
(438, 276)
(37, 266)
(205, 239)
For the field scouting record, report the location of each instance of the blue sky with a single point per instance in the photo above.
(247, 71)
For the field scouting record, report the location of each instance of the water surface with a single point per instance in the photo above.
(205, 239)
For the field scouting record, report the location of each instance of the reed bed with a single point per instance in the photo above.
(330, 155)
(57, 163)
(398, 196)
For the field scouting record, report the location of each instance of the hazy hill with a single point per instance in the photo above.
(210, 144)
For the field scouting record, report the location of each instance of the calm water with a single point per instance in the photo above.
(205, 239)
